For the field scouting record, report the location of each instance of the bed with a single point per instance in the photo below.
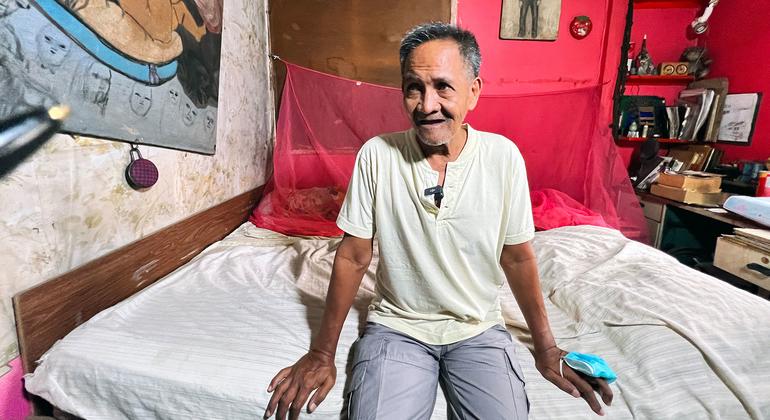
(204, 341)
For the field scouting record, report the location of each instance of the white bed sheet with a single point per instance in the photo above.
(205, 341)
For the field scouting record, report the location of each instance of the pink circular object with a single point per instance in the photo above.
(141, 173)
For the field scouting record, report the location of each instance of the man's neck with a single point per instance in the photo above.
(444, 153)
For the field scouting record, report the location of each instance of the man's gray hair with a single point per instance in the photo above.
(420, 34)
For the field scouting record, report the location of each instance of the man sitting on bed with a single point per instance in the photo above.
(450, 208)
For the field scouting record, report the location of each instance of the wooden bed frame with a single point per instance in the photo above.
(47, 312)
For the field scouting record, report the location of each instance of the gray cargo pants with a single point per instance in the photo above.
(395, 377)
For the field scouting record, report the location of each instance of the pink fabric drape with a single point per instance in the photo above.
(325, 119)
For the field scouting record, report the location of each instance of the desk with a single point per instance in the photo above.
(647, 200)
(689, 233)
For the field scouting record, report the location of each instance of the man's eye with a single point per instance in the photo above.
(443, 87)
(412, 87)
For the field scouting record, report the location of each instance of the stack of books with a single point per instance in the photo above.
(690, 187)
(758, 239)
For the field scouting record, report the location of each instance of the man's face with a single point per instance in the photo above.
(52, 47)
(173, 96)
(211, 122)
(97, 84)
(438, 91)
(190, 113)
(141, 99)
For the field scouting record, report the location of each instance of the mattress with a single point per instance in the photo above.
(205, 341)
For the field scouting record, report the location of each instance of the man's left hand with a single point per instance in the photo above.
(573, 383)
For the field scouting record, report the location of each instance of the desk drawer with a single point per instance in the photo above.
(733, 258)
(654, 228)
(653, 211)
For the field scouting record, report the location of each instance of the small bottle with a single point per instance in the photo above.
(643, 61)
(645, 131)
(763, 190)
(633, 129)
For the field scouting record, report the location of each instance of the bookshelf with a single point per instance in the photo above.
(660, 140)
(658, 80)
(666, 22)
(668, 4)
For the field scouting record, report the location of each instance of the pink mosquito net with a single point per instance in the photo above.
(575, 173)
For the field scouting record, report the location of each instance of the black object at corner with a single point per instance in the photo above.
(22, 134)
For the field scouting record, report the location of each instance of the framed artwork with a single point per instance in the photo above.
(739, 116)
(530, 19)
(127, 71)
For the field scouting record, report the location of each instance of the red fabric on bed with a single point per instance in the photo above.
(552, 209)
(325, 119)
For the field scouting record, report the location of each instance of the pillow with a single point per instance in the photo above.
(302, 212)
(552, 208)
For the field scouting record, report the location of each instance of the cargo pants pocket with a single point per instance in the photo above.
(362, 401)
(516, 376)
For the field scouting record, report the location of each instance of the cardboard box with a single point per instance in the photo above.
(692, 181)
(687, 196)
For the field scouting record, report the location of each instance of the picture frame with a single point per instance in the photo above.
(739, 118)
(119, 82)
(530, 20)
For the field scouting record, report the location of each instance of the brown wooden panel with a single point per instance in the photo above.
(357, 39)
(47, 312)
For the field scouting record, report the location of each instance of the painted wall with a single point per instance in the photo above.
(737, 39)
(522, 67)
(69, 203)
(667, 37)
(666, 31)
(512, 67)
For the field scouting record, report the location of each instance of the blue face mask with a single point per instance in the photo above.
(590, 365)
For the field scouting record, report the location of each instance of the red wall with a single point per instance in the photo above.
(511, 67)
(516, 67)
(738, 38)
(666, 31)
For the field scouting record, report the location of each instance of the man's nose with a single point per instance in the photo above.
(430, 102)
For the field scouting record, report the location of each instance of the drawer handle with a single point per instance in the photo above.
(758, 268)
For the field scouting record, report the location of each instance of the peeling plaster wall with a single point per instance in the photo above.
(69, 203)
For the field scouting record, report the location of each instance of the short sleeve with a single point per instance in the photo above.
(357, 213)
(521, 227)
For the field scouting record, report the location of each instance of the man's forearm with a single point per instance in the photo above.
(346, 278)
(525, 285)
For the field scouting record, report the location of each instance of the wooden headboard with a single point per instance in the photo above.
(47, 312)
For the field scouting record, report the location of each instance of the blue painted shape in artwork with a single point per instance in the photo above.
(150, 74)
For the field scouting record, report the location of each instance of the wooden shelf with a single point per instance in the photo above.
(668, 4)
(660, 140)
(658, 80)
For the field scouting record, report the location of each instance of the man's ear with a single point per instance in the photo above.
(475, 93)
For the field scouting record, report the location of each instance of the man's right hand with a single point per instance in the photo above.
(292, 386)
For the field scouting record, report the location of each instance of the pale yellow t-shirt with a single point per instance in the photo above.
(439, 274)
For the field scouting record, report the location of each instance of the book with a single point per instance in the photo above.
(691, 181)
(709, 199)
(758, 235)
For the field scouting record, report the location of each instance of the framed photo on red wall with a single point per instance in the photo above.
(536, 20)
